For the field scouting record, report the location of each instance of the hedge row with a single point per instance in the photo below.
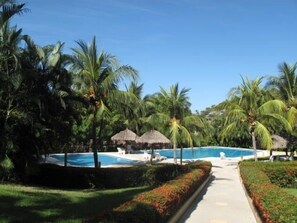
(78, 177)
(283, 174)
(274, 204)
(160, 203)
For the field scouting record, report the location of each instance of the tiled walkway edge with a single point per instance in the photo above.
(255, 212)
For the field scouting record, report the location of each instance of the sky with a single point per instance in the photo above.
(203, 45)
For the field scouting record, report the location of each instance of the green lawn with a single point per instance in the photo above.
(292, 191)
(32, 204)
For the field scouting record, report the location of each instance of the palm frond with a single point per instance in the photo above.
(186, 136)
(9, 9)
(103, 111)
(229, 130)
(263, 135)
(157, 119)
(272, 106)
(236, 115)
(292, 116)
(277, 119)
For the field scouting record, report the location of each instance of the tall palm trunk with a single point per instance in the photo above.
(94, 138)
(181, 155)
(254, 145)
(174, 153)
(65, 157)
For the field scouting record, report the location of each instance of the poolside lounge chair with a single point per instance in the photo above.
(121, 151)
(129, 149)
(156, 156)
(159, 157)
(279, 158)
(222, 155)
(146, 156)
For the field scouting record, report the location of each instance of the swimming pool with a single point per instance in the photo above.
(87, 159)
(207, 152)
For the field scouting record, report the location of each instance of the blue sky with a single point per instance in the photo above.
(204, 45)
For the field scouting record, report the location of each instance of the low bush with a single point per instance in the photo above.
(283, 174)
(78, 177)
(160, 203)
(273, 203)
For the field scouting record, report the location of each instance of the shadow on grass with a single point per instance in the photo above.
(32, 206)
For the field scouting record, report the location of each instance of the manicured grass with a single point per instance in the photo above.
(292, 191)
(32, 204)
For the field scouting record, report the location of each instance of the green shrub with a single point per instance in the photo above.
(160, 203)
(6, 168)
(78, 177)
(272, 202)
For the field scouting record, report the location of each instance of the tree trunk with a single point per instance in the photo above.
(65, 158)
(181, 156)
(152, 154)
(254, 146)
(94, 138)
(174, 153)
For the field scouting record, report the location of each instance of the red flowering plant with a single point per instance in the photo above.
(161, 202)
(273, 203)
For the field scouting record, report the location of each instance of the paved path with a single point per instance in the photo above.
(223, 200)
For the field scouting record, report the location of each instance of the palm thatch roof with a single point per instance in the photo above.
(278, 142)
(153, 137)
(124, 136)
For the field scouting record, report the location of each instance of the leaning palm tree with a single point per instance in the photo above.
(249, 106)
(98, 76)
(172, 111)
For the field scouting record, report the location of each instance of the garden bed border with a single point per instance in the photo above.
(182, 210)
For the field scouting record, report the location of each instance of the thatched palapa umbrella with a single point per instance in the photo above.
(125, 137)
(278, 142)
(153, 138)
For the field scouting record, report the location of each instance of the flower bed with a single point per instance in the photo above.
(282, 174)
(160, 203)
(274, 204)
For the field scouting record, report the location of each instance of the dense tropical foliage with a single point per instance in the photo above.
(54, 102)
(285, 87)
(171, 113)
(98, 77)
(252, 107)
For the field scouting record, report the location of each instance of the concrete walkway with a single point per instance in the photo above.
(223, 200)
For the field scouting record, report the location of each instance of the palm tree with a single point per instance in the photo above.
(98, 76)
(10, 82)
(285, 86)
(172, 110)
(48, 89)
(250, 107)
(9, 8)
(134, 111)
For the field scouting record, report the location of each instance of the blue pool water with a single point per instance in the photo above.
(87, 160)
(207, 152)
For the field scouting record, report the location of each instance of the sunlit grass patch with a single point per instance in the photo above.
(22, 203)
